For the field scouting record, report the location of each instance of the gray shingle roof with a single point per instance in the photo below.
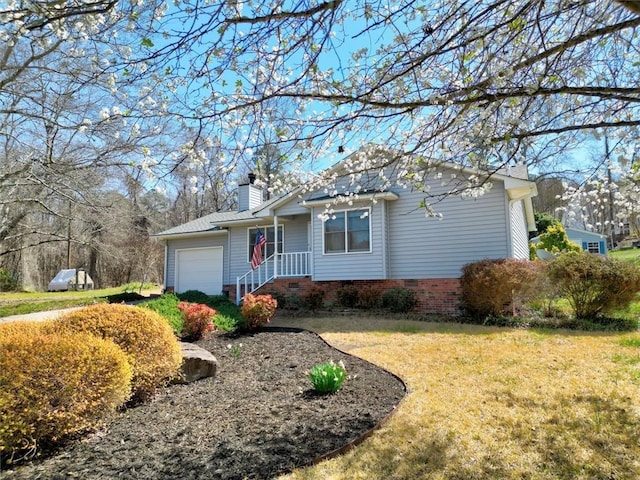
(215, 221)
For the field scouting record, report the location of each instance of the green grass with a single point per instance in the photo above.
(630, 255)
(488, 402)
(20, 303)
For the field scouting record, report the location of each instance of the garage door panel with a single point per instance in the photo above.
(199, 269)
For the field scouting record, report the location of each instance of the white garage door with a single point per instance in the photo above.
(199, 269)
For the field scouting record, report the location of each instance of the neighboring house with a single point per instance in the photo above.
(591, 242)
(380, 239)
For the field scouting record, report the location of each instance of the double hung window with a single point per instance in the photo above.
(348, 231)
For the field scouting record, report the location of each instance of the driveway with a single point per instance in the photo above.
(38, 316)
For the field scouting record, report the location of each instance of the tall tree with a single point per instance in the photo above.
(478, 83)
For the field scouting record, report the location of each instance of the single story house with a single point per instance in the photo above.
(376, 238)
(591, 242)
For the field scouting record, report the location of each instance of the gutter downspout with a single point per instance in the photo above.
(166, 266)
(275, 247)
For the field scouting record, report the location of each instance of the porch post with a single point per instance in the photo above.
(275, 246)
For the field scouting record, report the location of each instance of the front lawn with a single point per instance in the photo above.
(630, 254)
(493, 403)
(20, 303)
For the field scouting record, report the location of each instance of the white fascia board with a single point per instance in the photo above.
(355, 198)
(207, 233)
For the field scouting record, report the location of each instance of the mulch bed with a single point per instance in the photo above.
(256, 419)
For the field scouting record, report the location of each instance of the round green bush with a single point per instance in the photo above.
(53, 386)
(149, 342)
(594, 284)
(399, 300)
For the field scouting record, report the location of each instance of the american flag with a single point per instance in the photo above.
(256, 259)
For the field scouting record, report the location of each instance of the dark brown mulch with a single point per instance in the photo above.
(256, 419)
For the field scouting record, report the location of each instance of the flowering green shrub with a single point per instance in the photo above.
(555, 240)
(258, 309)
(327, 377)
(198, 319)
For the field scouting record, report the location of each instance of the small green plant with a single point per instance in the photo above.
(235, 350)
(227, 323)
(327, 377)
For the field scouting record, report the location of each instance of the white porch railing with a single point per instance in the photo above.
(294, 264)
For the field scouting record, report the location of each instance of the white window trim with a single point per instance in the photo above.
(263, 228)
(361, 252)
(596, 244)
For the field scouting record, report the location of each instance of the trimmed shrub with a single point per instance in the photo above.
(314, 298)
(258, 309)
(194, 296)
(216, 301)
(399, 300)
(347, 296)
(370, 298)
(489, 287)
(593, 284)
(18, 327)
(54, 386)
(198, 319)
(167, 306)
(146, 338)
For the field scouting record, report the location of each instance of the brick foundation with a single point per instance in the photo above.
(435, 295)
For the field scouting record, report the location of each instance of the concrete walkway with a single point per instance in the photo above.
(38, 316)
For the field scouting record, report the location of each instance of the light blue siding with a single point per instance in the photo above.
(471, 229)
(405, 244)
(295, 240)
(294, 207)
